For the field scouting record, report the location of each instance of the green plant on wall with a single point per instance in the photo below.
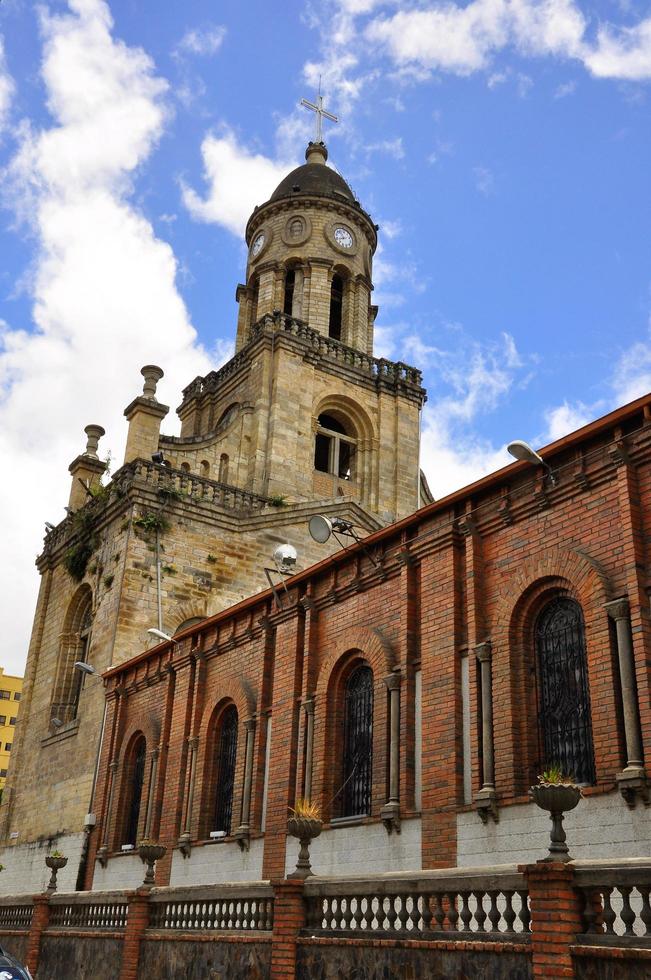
(86, 541)
(151, 521)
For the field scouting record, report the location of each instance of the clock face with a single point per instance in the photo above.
(343, 237)
(257, 244)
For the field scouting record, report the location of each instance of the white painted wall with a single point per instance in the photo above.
(24, 866)
(600, 827)
(122, 871)
(361, 849)
(221, 861)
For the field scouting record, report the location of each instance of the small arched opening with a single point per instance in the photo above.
(335, 447)
(335, 319)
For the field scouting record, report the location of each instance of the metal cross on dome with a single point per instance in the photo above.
(321, 114)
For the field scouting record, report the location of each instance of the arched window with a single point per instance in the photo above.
(564, 699)
(187, 623)
(228, 415)
(75, 643)
(290, 280)
(185, 467)
(135, 777)
(336, 307)
(223, 468)
(224, 769)
(358, 743)
(204, 468)
(334, 448)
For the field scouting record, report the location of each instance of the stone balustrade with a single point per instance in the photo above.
(378, 368)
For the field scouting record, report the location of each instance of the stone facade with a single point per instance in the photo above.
(186, 527)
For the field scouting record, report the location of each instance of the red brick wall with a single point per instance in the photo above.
(475, 567)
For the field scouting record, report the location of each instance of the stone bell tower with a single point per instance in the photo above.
(302, 420)
(327, 419)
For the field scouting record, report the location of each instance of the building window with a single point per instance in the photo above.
(336, 307)
(135, 781)
(358, 743)
(5, 695)
(223, 468)
(334, 448)
(8, 746)
(185, 467)
(12, 721)
(3, 773)
(3, 719)
(290, 282)
(204, 468)
(564, 699)
(224, 768)
(16, 695)
(75, 644)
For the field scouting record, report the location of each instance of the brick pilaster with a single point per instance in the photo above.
(555, 917)
(137, 922)
(289, 919)
(40, 920)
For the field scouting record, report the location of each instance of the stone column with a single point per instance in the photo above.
(309, 745)
(186, 817)
(486, 799)
(151, 793)
(242, 834)
(633, 780)
(144, 415)
(391, 810)
(103, 850)
(86, 470)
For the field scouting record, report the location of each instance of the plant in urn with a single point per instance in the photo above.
(150, 852)
(557, 794)
(305, 824)
(55, 860)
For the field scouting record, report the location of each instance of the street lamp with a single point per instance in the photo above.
(523, 452)
(160, 635)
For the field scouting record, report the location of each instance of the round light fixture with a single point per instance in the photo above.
(320, 528)
(285, 557)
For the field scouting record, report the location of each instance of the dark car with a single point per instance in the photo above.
(10, 968)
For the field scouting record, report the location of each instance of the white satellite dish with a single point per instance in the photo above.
(320, 528)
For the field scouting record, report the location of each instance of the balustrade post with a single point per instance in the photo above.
(633, 780)
(289, 919)
(556, 921)
(40, 921)
(137, 922)
(486, 799)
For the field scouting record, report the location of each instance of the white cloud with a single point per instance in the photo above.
(201, 41)
(103, 286)
(565, 418)
(484, 180)
(622, 52)
(237, 180)
(565, 89)
(392, 148)
(6, 88)
(632, 373)
(476, 378)
(463, 39)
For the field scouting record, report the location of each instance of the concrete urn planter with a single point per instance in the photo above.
(557, 799)
(305, 829)
(150, 852)
(54, 862)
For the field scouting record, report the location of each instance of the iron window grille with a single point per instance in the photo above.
(564, 695)
(135, 797)
(358, 744)
(225, 769)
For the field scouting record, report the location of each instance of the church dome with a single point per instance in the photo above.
(314, 178)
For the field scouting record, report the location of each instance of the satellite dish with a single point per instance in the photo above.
(320, 528)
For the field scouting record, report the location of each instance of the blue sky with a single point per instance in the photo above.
(503, 146)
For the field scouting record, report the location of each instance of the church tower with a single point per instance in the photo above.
(302, 420)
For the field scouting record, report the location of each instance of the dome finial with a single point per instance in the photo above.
(321, 114)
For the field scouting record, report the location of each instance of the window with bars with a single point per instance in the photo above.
(224, 768)
(136, 779)
(357, 781)
(564, 698)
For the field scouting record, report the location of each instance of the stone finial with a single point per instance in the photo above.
(94, 434)
(152, 375)
(316, 153)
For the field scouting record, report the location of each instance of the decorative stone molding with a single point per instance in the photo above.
(485, 802)
(390, 812)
